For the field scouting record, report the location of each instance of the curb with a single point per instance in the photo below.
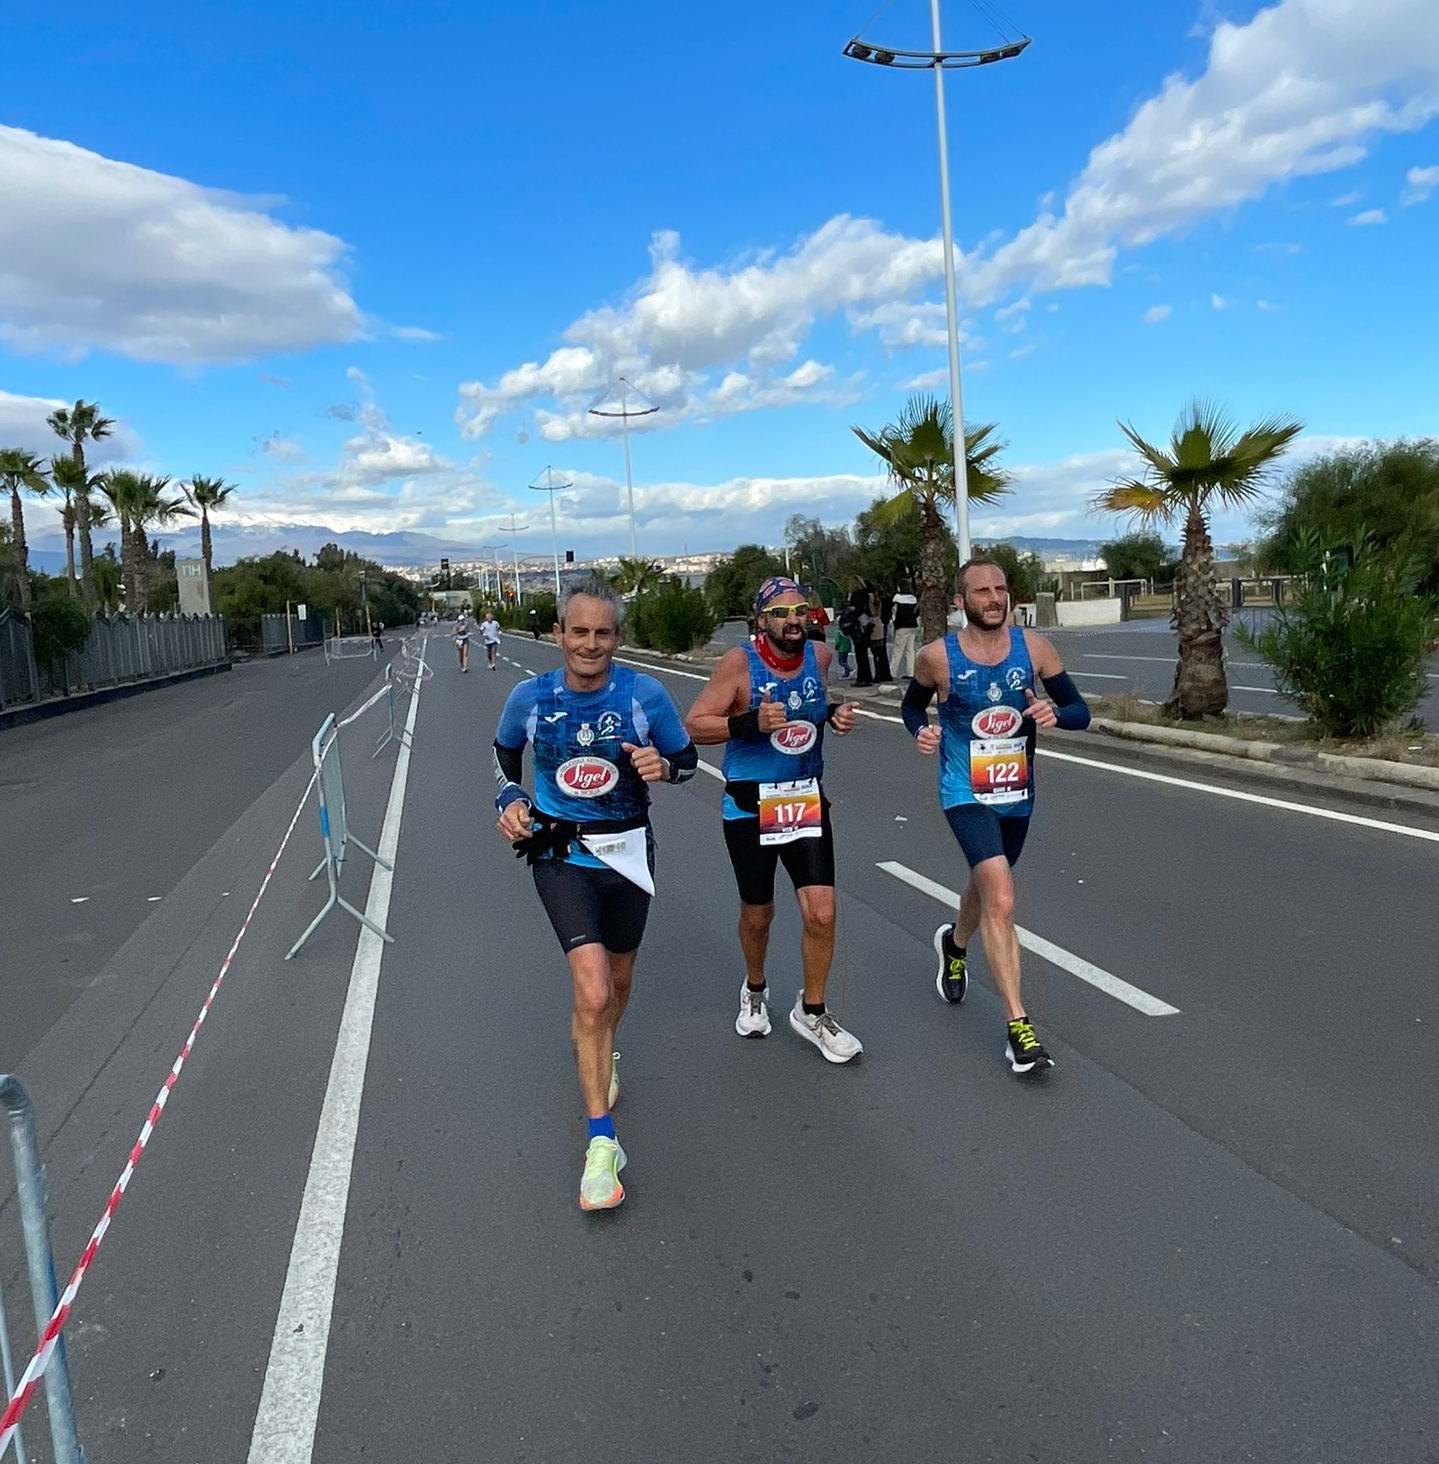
(77, 701)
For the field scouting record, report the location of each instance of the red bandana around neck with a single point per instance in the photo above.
(786, 666)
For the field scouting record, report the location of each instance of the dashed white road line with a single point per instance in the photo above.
(1096, 976)
(1099, 675)
(712, 770)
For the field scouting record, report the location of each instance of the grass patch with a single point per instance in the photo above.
(1420, 748)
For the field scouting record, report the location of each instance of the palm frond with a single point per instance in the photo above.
(1144, 501)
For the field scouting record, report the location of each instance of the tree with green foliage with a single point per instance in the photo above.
(917, 450)
(1350, 646)
(140, 503)
(20, 472)
(1207, 462)
(732, 583)
(58, 622)
(888, 543)
(1022, 572)
(1384, 493)
(81, 489)
(78, 425)
(821, 558)
(206, 495)
(1140, 555)
(671, 617)
(635, 576)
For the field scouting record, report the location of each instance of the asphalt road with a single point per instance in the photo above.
(1210, 1236)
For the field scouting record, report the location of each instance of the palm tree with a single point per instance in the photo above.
(1207, 461)
(139, 501)
(637, 575)
(918, 452)
(21, 471)
(75, 424)
(205, 494)
(72, 479)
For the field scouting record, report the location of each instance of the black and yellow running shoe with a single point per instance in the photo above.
(952, 979)
(1025, 1051)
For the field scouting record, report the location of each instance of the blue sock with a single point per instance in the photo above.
(602, 1128)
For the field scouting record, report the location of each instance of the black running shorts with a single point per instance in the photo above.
(586, 905)
(983, 834)
(806, 861)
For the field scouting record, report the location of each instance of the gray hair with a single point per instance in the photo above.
(592, 590)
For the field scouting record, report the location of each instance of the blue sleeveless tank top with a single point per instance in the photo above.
(986, 756)
(795, 750)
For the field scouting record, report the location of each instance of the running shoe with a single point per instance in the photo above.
(833, 1041)
(1024, 1050)
(952, 978)
(753, 1019)
(614, 1080)
(600, 1187)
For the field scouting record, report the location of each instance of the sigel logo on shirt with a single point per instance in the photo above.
(586, 777)
(794, 738)
(996, 722)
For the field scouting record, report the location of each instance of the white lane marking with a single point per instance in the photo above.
(1169, 661)
(1383, 825)
(668, 670)
(290, 1400)
(1099, 675)
(1096, 976)
(1268, 689)
(152, 899)
(712, 770)
(78, 899)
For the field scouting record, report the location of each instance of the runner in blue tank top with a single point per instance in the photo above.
(601, 735)
(768, 704)
(989, 713)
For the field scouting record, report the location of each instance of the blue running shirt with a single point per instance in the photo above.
(580, 771)
(795, 750)
(986, 755)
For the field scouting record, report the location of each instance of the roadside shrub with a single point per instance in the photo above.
(58, 625)
(517, 617)
(1350, 648)
(671, 618)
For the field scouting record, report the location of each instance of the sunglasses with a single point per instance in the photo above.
(788, 612)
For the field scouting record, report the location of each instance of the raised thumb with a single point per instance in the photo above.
(765, 696)
(628, 747)
(1029, 694)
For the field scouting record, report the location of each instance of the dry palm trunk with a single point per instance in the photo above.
(205, 539)
(22, 551)
(933, 592)
(67, 516)
(1200, 689)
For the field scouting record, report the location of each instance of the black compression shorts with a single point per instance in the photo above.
(806, 861)
(586, 905)
(983, 834)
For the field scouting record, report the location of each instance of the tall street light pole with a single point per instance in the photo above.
(550, 486)
(606, 408)
(516, 527)
(939, 61)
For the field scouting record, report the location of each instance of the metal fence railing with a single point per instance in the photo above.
(119, 649)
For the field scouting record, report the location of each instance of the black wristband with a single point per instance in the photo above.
(744, 724)
(830, 713)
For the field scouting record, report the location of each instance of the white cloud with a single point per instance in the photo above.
(1369, 216)
(22, 425)
(1022, 351)
(414, 333)
(104, 255)
(1422, 182)
(1156, 313)
(1218, 302)
(283, 449)
(1267, 306)
(1346, 200)
(927, 380)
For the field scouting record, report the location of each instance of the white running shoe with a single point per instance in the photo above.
(614, 1080)
(753, 1019)
(834, 1043)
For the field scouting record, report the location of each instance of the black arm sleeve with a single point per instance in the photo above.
(914, 710)
(684, 764)
(509, 769)
(1072, 712)
(744, 724)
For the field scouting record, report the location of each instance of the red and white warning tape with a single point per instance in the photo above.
(30, 1379)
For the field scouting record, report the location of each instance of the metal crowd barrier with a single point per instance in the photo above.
(335, 828)
(40, 1263)
(350, 648)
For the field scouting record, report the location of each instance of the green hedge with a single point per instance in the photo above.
(671, 618)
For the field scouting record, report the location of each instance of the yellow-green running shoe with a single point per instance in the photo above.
(600, 1187)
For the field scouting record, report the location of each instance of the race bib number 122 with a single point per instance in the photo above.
(999, 770)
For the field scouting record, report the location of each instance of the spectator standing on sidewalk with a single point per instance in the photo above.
(842, 647)
(906, 630)
(878, 627)
(854, 620)
(817, 621)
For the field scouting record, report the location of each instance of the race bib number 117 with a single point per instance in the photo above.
(789, 811)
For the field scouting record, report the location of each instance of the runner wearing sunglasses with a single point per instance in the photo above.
(767, 703)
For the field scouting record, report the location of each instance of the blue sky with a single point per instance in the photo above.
(372, 265)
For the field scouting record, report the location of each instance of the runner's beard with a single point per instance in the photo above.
(789, 642)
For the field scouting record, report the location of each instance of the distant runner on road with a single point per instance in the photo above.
(988, 717)
(601, 734)
(490, 633)
(767, 702)
(461, 634)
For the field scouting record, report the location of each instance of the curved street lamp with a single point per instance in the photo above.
(605, 408)
(551, 486)
(939, 61)
(516, 527)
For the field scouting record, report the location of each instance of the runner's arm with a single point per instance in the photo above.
(666, 732)
(724, 698)
(1071, 712)
(914, 710)
(511, 737)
